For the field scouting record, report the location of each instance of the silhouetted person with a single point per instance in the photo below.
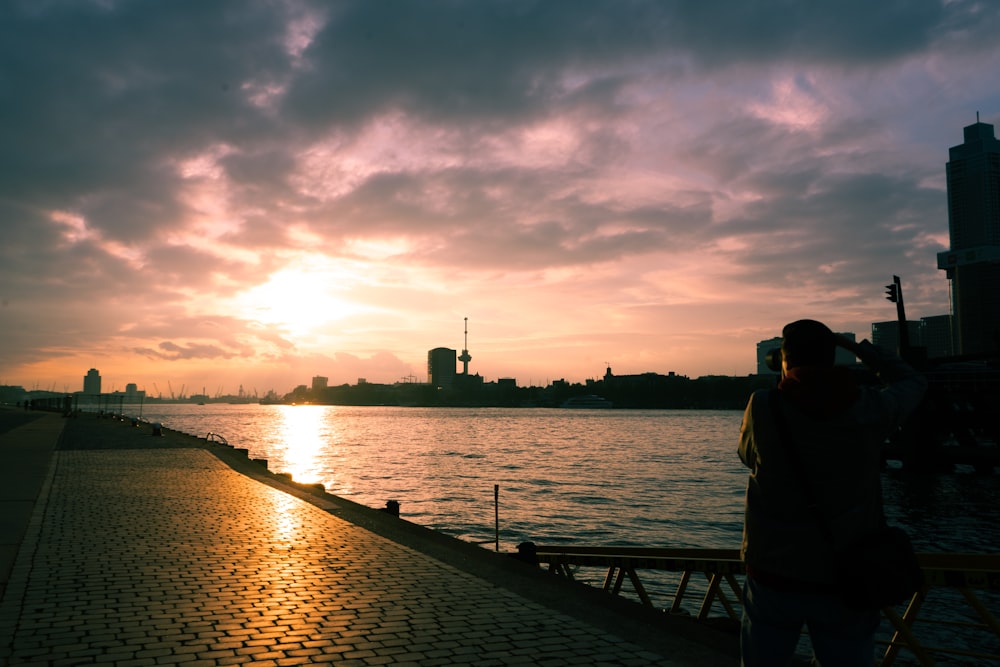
(837, 428)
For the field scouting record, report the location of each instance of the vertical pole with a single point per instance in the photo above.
(496, 513)
(904, 329)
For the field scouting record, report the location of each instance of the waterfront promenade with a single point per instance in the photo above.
(120, 548)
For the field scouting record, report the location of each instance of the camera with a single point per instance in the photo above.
(773, 359)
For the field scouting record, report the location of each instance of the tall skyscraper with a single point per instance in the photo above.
(973, 261)
(441, 367)
(92, 382)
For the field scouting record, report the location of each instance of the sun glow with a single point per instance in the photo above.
(301, 300)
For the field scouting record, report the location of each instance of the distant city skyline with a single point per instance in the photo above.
(294, 189)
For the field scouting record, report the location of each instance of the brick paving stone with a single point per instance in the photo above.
(170, 557)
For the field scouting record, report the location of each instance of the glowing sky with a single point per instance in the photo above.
(258, 191)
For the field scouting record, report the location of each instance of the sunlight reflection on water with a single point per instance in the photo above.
(649, 478)
(636, 477)
(303, 435)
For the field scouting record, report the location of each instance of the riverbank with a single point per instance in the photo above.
(176, 512)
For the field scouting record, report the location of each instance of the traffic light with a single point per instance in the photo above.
(891, 294)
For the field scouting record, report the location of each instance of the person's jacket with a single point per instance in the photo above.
(838, 428)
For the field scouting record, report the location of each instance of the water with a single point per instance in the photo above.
(643, 478)
(666, 478)
(657, 478)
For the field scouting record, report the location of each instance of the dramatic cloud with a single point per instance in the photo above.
(260, 191)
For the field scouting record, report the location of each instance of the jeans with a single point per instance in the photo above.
(772, 626)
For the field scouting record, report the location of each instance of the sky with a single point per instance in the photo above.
(255, 192)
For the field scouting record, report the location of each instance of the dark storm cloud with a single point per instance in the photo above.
(846, 230)
(824, 213)
(93, 96)
(504, 61)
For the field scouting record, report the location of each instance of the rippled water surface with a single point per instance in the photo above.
(644, 477)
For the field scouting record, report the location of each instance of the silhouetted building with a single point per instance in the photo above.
(763, 347)
(973, 261)
(635, 382)
(937, 336)
(932, 334)
(507, 384)
(466, 382)
(319, 383)
(92, 382)
(885, 335)
(132, 394)
(441, 362)
(843, 357)
(12, 394)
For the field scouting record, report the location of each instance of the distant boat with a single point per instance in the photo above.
(587, 402)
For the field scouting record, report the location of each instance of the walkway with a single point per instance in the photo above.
(153, 551)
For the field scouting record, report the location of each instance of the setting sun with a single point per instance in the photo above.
(300, 300)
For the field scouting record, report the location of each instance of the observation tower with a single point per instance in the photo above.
(465, 357)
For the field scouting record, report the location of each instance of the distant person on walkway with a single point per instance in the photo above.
(837, 428)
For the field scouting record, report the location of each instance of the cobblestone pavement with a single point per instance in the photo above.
(170, 557)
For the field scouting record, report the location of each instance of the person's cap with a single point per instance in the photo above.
(808, 343)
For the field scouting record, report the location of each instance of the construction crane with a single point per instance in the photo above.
(171, 388)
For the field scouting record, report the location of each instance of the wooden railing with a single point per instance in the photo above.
(963, 579)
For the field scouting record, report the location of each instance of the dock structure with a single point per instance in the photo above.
(120, 548)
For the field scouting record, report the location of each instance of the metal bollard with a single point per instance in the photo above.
(157, 429)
